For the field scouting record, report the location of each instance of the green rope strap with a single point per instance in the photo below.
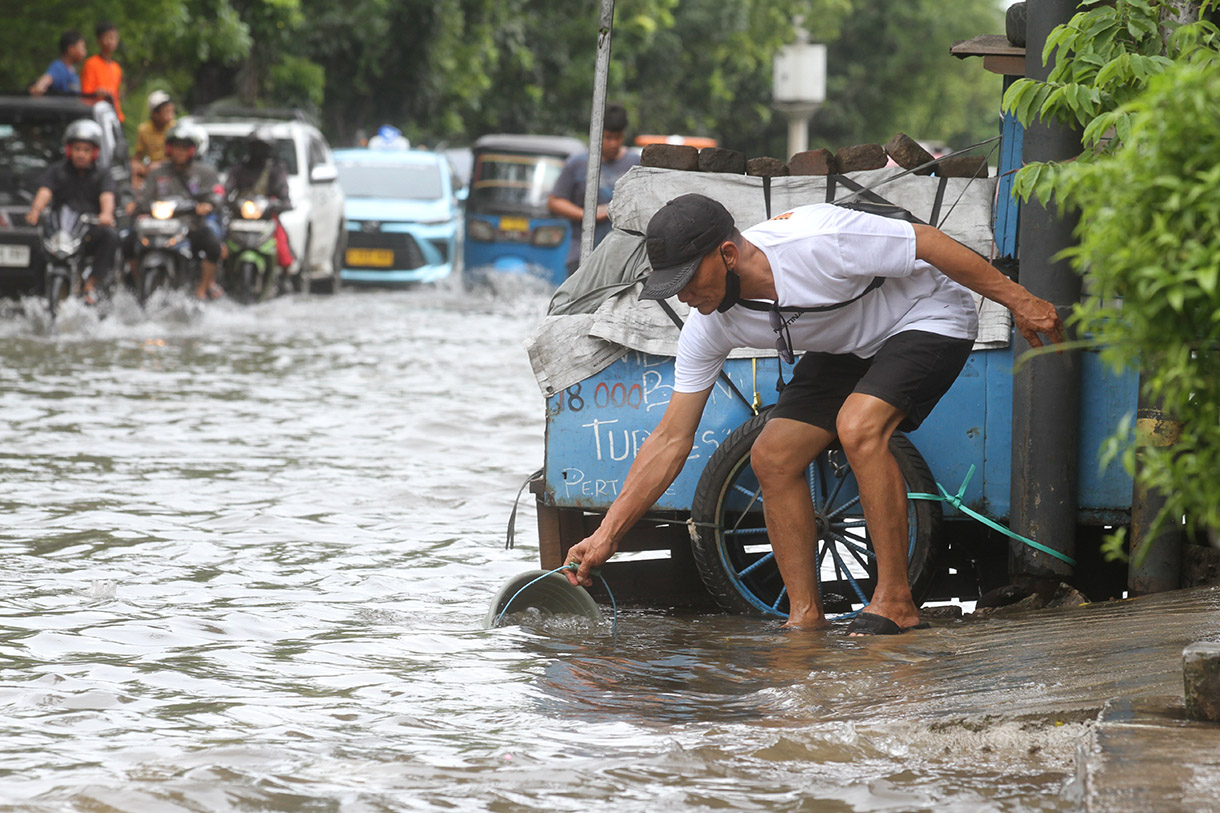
(956, 501)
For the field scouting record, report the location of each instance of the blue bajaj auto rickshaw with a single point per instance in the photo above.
(508, 227)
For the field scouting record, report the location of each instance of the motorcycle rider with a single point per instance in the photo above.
(261, 172)
(78, 183)
(181, 176)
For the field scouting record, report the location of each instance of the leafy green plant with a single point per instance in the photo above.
(1145, 89)
(1105, 56)
(1149, 245)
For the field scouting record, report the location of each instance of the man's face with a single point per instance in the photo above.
(78, 52)
(108, 42)
(705, 291)
(163, 115)
(179, 152)
(80, 153)
(612, 143)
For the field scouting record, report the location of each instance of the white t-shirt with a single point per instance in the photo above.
(821, 255)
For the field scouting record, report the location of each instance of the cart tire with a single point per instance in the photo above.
(733, 554)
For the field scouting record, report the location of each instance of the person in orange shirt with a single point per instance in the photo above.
(101, 75)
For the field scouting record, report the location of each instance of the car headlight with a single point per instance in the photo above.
(481, 230)
(549, 236)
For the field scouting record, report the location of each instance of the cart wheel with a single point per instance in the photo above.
(733, 553)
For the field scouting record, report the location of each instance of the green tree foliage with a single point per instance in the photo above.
(454, 69)
(891, 71)
(1105, 57)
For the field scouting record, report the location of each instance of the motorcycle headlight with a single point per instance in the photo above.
(62, 245)
(162, 209)
(252, 209)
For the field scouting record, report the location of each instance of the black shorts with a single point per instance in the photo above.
(911, 371)
(205, 241)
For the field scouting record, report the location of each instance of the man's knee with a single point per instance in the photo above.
(862, 431)
(782, 453)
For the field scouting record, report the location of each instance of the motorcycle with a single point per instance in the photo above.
(63, 235)
(163, 251)
(250, 272)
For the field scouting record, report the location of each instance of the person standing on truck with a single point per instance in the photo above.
(61, 76)
(882, 310)
(101, 75)
(567, 198)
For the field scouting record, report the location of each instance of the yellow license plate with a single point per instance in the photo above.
(514, 224)
(381, 257)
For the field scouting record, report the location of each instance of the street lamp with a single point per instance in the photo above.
(799, 85)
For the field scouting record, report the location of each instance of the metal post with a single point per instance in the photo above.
(1156, 560)
(605, 26)
(1046, 390)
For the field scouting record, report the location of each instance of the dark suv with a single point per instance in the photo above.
(31, 132)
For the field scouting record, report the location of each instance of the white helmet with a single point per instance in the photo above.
(189, 133)
(156, 99)
(86, 130)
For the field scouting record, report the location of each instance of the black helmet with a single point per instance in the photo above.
(185, 132)
(260, 144)
(86, 130)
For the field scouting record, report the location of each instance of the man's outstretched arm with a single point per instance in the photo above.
(1031, 314)
(658, 463)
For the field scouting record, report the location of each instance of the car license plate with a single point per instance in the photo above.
(14, 256)
(514, 224)
(380, 257)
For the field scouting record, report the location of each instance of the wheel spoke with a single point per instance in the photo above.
(834, 494)
(762, 560)
(755, 497)
(850, 578)
(745, 531)
(853, 545)
(852, 503)
(783, 592)
(861, 556)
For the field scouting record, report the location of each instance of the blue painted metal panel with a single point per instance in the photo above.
(1007, 209)
(595, 428)
(953, 438)
(1106, 398)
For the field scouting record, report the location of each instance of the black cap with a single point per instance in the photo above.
(679, 235)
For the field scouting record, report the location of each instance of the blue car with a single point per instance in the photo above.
(403, 213)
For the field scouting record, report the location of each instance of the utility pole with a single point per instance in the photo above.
(605, 27)
(1046, 389)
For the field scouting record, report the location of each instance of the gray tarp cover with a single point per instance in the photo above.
(596, 318)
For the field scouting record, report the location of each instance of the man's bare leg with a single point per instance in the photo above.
(865, 425)
(781, 454)
(207, 277)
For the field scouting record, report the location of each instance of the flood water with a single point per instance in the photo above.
(245, 559)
